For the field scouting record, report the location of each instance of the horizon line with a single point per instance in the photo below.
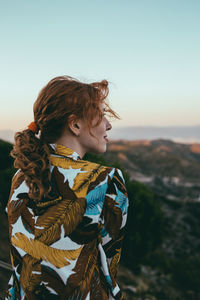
(124, 126)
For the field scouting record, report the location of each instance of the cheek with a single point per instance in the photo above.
(102, 127)
(101, 131)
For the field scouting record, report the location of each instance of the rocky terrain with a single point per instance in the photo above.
(172, 171)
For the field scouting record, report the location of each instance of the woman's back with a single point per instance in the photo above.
(68, 245)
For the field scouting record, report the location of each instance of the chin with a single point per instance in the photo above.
(99, 150)
(103, 151)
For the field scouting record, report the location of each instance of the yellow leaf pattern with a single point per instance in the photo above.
(38, 250)
(82, 180)
(115, 262)
(67, 213)
(65, 246)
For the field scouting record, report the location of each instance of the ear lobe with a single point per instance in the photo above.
(72, 125)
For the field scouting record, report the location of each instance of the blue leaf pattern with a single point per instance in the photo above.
(95, 198)
(122, 200)
(101, 230)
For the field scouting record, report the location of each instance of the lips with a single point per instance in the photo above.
(106, 138)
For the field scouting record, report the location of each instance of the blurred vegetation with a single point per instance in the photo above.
(147, 228)
(6, 172)
(145, 223)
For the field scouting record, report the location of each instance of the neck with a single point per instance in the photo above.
(73, 144)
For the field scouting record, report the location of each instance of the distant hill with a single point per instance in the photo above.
(170, 169)
(182, 134)
(171, 174)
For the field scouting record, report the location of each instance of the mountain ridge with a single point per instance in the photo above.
(183, 134)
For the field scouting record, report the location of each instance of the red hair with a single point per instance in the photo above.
(61, 97)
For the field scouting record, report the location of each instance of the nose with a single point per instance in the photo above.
(108, 125)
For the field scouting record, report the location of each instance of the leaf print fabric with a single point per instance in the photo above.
(68, 247)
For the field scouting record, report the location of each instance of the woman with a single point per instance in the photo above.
(66, 215)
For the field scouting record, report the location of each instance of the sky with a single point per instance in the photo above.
(148, 50)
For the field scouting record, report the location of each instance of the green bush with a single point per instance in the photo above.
(6, 172)
(6, 160)
(186, 273)
(145, 225)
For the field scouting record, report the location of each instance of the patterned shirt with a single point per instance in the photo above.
(68, 246)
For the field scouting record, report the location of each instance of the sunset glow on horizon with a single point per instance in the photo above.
(149, 51)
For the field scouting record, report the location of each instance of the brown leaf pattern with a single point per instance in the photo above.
(112, 215)
(67, 214)
(30, 273)
(79, 282)
(55, 243)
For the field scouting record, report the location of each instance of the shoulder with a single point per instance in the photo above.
(107, 178)
(116, 175)
(111, 171)
(116, 183)
(67, 163)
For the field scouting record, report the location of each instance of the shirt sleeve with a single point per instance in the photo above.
(113, 220)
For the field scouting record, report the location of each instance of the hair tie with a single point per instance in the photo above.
(33, 127)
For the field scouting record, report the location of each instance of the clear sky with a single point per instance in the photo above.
(148, 49)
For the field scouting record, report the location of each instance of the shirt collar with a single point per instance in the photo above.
(65, 151)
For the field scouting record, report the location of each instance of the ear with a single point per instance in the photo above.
(74, 124)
